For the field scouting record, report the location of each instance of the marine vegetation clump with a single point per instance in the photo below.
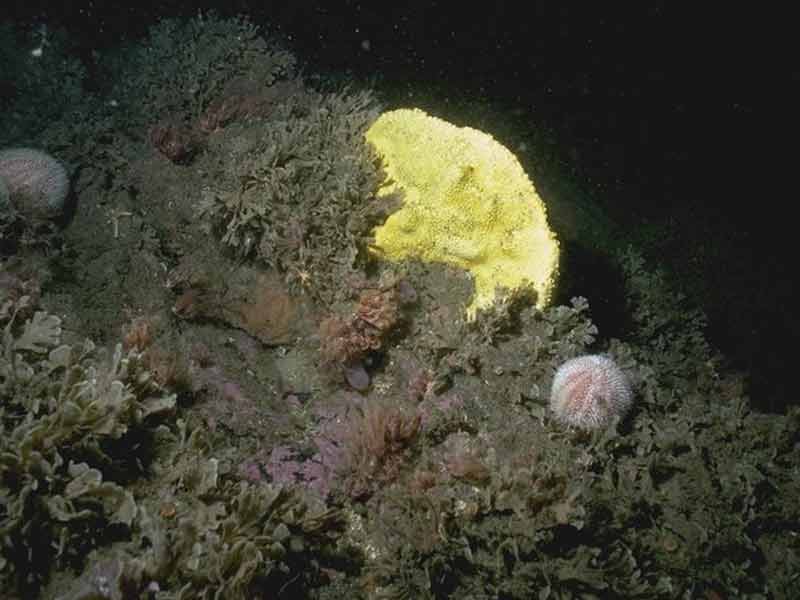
(376, 445)
(201, 534)
(668, 327)
(347, 340)
(89, 482)
(183, 66)
(169, 369)
(484, 528)
(231, 539)
(178, 142)
(510, 342)
(69, 426)
(299, 198)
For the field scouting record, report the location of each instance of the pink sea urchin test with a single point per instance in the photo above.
(36, 183)
(588, 391)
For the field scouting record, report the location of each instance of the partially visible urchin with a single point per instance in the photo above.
(37, 184)
(588, 391)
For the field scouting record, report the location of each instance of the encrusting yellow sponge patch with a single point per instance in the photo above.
(466, 202)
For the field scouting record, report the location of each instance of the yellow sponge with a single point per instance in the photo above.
(467, 202)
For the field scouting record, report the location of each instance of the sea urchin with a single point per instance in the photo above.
(588, 391)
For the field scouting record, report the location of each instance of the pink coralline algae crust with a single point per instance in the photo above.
(588, 391)
(316, 469)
